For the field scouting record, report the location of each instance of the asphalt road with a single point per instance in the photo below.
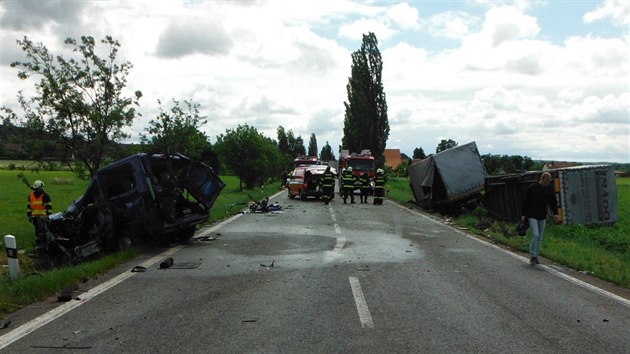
(336, 278)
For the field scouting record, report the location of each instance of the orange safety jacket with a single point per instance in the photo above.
(37, 205)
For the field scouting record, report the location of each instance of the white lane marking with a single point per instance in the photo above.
(337, 228)
(59, 311)
(362, 307)
(341, 242)
(332, 213)
(578, 282)
(207, 231)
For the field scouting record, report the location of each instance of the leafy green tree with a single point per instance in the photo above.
(326, 154)
(401, 170)
(418, 153)
(445, 144)
(283, 142)
(312, 145)
(80, 101)
(366, 125)
(296, 145)
(177, 130)
(501, 164)
(249, 155)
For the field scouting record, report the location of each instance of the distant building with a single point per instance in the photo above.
(392, 158)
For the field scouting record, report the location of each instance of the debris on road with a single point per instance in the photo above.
(66, 294)
(268, 266)
(138, 269)
(167, 263)
(206, 238)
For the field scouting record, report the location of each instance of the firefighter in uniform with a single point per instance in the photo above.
(37, 210)
(348, 185)
(365, 187)
(379, 187)
(328, 185)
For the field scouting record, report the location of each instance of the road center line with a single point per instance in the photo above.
(362, 307)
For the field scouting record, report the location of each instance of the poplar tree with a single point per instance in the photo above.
(365, 122)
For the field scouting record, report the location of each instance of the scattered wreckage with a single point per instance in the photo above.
(141, 198)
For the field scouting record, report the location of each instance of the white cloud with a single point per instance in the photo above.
(404, 16)
(193, 35)
(618, 11)
(358, 28)
(504, 24)
(451, 24)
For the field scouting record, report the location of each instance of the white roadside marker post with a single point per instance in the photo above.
(14, 265)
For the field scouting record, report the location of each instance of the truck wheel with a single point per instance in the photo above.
(302, 195)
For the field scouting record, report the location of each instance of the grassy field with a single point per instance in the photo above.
(602, 251)
(63, 188)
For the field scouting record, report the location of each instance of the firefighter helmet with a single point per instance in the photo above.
(38, 185)
(349, 169)
(379, 171)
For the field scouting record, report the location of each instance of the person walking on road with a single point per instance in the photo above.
(348, 185)
(365, 187)
(538, 197)
(38, 208)
(328, 185)
(379, 187)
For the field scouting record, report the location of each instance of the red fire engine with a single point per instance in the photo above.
(361, 163)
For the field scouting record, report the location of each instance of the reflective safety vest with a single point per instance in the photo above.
(379, 183)
(37, 204)
(348, 180)
(328, 180)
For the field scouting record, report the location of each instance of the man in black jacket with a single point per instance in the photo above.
(538, 197)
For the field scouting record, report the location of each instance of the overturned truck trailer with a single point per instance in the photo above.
(585, 194)
(451, 178)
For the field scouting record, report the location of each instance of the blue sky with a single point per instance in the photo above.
(544, 79)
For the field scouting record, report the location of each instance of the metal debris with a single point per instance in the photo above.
(167, 263)
(138, 269)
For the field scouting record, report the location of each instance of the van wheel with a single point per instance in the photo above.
(186, 234)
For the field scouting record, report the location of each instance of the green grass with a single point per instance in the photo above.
(39, 286)
(63, 188)
(600, 250)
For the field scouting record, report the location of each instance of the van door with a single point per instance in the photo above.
(202, 183)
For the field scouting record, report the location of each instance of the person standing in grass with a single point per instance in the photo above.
(538, 197)
(38, 208)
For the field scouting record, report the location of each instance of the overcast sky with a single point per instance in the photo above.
(545, 79)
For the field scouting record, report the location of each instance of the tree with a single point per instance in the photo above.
(283, 142)
(312, 145)
(248, 154)
(80, 101)
(445, 144)
(501, 164)
(365, 122)
(326, 154)
(177, 130)
(418, 153)
(296, 145)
